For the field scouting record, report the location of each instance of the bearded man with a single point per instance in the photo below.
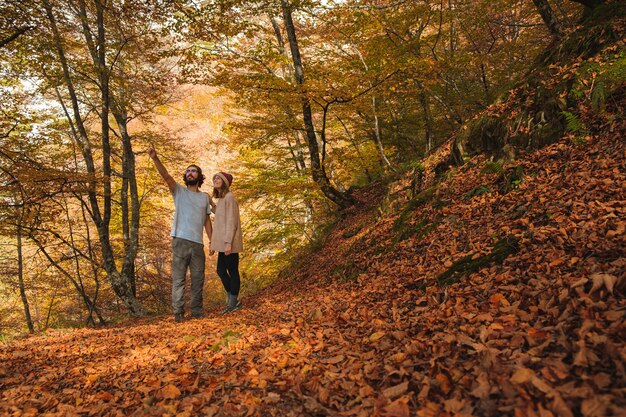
(191, 215)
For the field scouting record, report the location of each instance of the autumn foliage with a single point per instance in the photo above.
(476, 281)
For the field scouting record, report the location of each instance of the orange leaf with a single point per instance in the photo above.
(334, 360)
(185, 369)
(522, 375)
(444, 383)
(105, 396)
(559, 407)
(396, 391)
(398, 408)
(170, 392)
(541, 385)
(376, 336)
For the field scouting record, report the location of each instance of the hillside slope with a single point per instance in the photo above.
(486, 289)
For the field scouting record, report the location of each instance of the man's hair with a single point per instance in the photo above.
(201, 177)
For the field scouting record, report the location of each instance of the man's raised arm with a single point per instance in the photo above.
(171, 183)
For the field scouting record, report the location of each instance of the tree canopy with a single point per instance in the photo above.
(316, 99)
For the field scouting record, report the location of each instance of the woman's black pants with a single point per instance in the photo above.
(228, 271)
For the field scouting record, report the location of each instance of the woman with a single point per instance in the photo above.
(226, 239)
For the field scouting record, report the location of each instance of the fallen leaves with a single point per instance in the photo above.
(540, 334)
(376, 336)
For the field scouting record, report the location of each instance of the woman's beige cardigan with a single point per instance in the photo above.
(227, 225)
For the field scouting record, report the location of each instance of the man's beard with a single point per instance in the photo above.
(192, 181)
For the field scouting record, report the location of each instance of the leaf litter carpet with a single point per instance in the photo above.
(362, 328)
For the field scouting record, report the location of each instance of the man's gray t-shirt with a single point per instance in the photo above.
(190, 214)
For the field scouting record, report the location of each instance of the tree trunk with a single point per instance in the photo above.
(131, 219)
(549, 17)
(377, 136)
(428, 121)
(317, 169)
(120, 282)
(288, 73)
(20, 277)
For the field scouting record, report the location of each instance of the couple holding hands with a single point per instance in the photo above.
(191, 215)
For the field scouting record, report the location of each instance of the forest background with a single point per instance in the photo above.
(302, 101)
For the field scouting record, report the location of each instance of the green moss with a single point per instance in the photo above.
(518, 211)
(486, 134)
(348, 272)
(418, 230)
(382, 250)
(466, 265)
(492, 167)
(439, 203)
(510, 179)
(408, 210)
(477, 191)
(228, 338)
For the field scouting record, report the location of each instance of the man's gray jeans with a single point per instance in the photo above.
(187, 254)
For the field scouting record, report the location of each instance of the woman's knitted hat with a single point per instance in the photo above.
(226, 177)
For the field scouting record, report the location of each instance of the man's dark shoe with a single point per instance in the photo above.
(179, 317)
(197, 316)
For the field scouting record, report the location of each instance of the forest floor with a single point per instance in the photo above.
(528, 320)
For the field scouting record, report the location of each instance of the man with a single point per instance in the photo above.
(192, 210)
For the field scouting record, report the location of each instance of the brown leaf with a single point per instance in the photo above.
(559, 407)
(499, 299)
(334, 360)
(522, 376)
(431, 409)
(602, 280)
(185, 369)
(376, 336)
(170, 392)
(444, 383)
(595, 406)
(581, 357)
(105, 396)
(483, 387)
(614, 315)
(396, 391)
(602, 380)
(272, 398)
(454, 405)
(398, 408)
(541, 385)
(315, 315)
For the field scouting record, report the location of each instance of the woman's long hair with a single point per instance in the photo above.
(222, 191)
